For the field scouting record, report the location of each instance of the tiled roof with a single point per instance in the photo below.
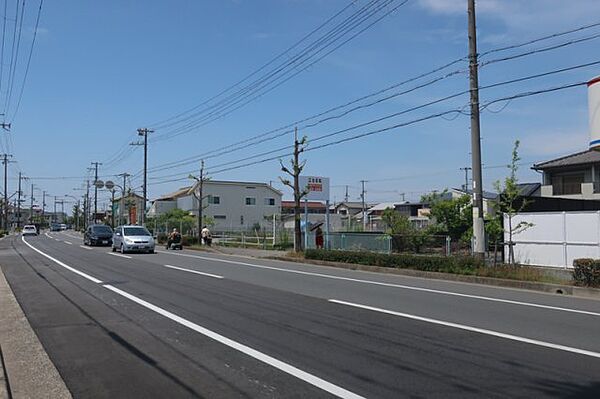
(580, 158)
(528, 189)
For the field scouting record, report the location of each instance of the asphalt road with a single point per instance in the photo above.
(190, 324)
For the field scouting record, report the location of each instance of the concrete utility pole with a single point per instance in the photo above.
(31, 205)
(54, 218)
(43, 207)
(298, 194)
(478, 225)
(5, 204)
(466, 169)
(144, 132)
(21, 177)
(346, 195)
(96, 188)
(362, 198)
(122, 202)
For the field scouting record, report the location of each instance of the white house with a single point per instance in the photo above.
(233, 206)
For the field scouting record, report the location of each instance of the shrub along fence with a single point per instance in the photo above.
(586, 272)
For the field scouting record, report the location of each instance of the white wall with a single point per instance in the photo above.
(556, 238)
(232, 205)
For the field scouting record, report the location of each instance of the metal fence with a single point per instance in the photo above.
(353, 242)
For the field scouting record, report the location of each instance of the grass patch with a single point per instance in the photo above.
(465, 265)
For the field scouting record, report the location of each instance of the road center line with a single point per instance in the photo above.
(401, 286)
(84, 247)
(48, 235)
(82, 274)
(262, 357)
(120, 255)
(67, 242)
(193, 271)
(472, 329)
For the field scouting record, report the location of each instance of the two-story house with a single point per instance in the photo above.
(575, 176)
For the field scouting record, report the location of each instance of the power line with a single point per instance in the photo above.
(35, 31)
(225, 107)
(11, 81)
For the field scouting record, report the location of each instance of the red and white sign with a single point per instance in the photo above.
(318, 187)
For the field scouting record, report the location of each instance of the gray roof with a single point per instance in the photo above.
(580, 158)
(528, 189)
(486, 194)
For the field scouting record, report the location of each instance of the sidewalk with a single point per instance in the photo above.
(26, 371)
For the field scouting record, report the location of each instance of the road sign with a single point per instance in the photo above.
(109, 185)
(99, 183)
(318, 187)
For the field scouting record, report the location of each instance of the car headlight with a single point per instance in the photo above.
(128, 241)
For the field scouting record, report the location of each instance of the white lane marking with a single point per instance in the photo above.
(472, 329)
(67, 242)
(48, 235)
(193, 271)
(262, 357)
(84, 247)
(82, 274)
(121, 255)
(406, 287)
(56, 239)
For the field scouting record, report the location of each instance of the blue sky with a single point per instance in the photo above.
(100, 70)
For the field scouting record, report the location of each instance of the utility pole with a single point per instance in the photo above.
(21, 177)
(346, 196)
(122, 202)
(31, 206)
(403, 197)
(199, 196)
(478, 225)
(54, 218)
(298, 194)
(466, 186)
(5, 205)
(43, 207)
(144, 132)
(364, 213)
(96, 188)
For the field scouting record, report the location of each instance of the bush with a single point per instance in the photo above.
(586, 272)
(446, 264)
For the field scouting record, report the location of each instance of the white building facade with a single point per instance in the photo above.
(233, 206)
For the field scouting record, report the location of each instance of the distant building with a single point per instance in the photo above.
(232, 205)
(575, 176)
(128, 209)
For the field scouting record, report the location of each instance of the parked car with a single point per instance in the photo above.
(54, 226)
(29, 230)
(98, 234)
(132, 239)
(63, 226)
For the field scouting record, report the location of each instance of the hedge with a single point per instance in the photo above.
(446, 264)
(586, 272)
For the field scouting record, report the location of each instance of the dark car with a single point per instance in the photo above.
(98, 234)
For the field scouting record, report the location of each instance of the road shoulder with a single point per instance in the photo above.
(30, 372)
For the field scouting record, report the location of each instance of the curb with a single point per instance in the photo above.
(29, 371)
(561, 289)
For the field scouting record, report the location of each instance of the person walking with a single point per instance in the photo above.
(206, 236)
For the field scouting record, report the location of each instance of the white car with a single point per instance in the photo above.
(29, 230)
(132, 239)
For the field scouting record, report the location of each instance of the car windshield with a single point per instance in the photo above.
(28, 228)
(102, 230)
(136, 231)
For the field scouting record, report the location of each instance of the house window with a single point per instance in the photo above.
(567, 184)
(250, 201)
(214, 199)
(270, 201)
(222, 217)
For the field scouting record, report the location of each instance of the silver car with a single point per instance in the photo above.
(132, 239)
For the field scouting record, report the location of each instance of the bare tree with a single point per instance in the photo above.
(294, 172)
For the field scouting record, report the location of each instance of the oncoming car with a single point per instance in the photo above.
(132, 239)
(29, 230)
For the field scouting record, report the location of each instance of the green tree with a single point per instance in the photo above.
(510, 202)
(404, 232)
(453, 216)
